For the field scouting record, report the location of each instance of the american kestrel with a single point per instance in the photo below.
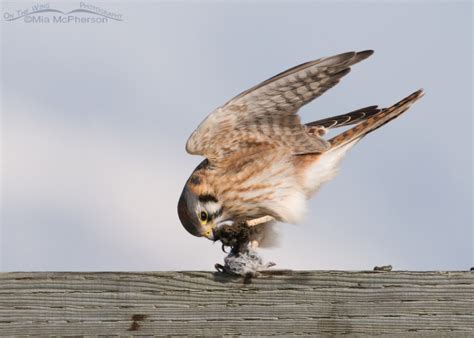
(262, 164)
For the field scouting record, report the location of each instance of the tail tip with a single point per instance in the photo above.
(415, 96)
(364, 54)
(419, 93)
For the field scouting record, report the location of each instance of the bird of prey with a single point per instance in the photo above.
(261, 163)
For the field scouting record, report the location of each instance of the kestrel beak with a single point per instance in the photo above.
(209, 233)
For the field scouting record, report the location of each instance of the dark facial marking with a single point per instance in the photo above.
(207, 198)
(195, 180)
(218, 212)
(204, 164)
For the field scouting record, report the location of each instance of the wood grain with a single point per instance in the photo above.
(205, 303)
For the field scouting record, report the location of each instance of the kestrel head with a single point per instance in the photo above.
(199, 209)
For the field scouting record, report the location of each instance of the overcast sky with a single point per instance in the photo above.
(95, 117)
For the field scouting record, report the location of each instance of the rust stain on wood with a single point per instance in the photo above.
(136, 319)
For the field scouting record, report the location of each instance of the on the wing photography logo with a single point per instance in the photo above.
(45, 13)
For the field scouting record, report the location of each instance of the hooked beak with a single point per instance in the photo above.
(210, 232)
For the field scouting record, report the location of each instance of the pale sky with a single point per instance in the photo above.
(95, 118)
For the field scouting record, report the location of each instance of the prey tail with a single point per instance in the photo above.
(375, 121)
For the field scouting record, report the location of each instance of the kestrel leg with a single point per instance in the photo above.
(260, 220)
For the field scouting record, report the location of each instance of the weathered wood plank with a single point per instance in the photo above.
(204, 303)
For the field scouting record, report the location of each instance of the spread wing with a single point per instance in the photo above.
(264, 117)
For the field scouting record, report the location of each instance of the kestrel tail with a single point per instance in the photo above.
(262, 163)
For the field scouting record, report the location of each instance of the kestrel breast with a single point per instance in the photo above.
(263, 184)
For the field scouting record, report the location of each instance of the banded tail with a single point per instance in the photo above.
(375, 120)
(366, 120)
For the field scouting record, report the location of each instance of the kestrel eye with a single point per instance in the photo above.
(203, 217)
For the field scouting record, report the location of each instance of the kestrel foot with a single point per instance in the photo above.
(235, 236)
(220, 268)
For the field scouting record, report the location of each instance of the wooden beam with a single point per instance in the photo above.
(206, 303)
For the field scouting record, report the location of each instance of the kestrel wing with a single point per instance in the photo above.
(264, 116)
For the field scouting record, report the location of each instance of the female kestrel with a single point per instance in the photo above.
(262, 163)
